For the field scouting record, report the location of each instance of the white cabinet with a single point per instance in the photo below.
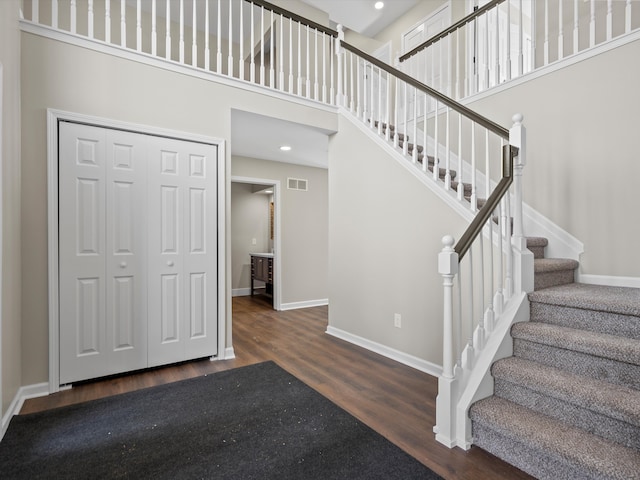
(137, 251)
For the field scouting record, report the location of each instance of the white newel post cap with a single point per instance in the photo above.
(448, 258)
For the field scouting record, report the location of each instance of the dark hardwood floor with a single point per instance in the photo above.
(395, 400)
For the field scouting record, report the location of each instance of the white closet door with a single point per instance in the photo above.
(182, 251)
(102, 236)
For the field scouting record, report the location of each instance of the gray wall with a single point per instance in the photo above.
(10, 334)
(304, 223)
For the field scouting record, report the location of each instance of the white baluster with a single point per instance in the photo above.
(54, 13)
(365, 106)
(474, 195)
(123, 23)
(489, 316)
(138, 26)
(308, 71)
(35, 11)
(340, 66)
(592, 24)
(272, 72)
(107, 22)
(506, 223)
(609, 19)
(331, 69)
(627, 17)
(230, 52)
(194, 32)
(154, 28)
(497, 47)
(414, 151)
(485, 53)
(167, 40)
(316, 91)
(354, 101)
(498, 299)
(479, 334)
(436, 140)
(546, 32)
(90, 18)
(447, 168)
(576, 28)
(299, 91)
(74, 14)
(219, 46)
(459, 178)
(262, 71)
(387, 119)
(181, 44)
(405, 121)
(560, 31)
(380, 101)
(207, 50)
(281, 75)
(520, 41)
(457, 93)
(324, 68)
(508, 72)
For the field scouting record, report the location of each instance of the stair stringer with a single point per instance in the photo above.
(480, 381)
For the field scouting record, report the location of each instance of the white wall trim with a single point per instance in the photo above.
(23, 393)
(53, 117)
(561, 243)
(305, 304)
(632, 282)
(229, 353)
(277, 244)
(385, 351)
(240, 292)
(174, 66)
(1, 223)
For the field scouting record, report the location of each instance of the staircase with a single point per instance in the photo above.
(566, 405)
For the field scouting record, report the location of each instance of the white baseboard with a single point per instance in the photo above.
(306, 304)
(633, 282)
(385, 351)
(229, 353)
(23, 393)
(240, 292)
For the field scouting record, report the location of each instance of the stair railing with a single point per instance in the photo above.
(506, 39)
(470, 158)
(250, 40)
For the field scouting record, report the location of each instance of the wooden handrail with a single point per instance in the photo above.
(449, 102)
(509, 152)
(295, 17)
(461, 23)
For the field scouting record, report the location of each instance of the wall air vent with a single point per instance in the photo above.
(297, 184)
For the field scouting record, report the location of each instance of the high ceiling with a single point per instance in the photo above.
(361, 15)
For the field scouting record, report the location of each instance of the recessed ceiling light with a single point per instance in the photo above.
(379, 5)
(285, 148)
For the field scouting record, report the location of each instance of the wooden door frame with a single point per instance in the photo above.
(53, 117)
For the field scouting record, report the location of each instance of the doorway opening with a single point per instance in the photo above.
(256, 239)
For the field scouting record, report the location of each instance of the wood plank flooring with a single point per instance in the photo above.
(395, 400)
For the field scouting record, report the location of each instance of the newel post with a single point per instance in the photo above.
(339, 59)
(523, 258)
(447, 383)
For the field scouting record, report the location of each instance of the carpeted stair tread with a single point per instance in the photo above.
(537, 246)
(622, 300)
(611, 347)
(546, 265)
(581, 454)
(615, 401)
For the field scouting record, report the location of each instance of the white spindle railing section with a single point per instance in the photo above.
(250, 40)
(505, 39)
(483, 277)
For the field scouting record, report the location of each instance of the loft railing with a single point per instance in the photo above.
(506, 39)
(250, 40)
(465, 155)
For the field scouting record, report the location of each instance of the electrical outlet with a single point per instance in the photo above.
(397, 320)
(254, 241)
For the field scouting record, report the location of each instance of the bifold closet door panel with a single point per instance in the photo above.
(102, 260)
(182, 251)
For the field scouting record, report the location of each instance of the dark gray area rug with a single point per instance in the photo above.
(255, 422)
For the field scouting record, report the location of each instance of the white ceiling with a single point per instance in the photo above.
(360, 15)
(258, 136)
